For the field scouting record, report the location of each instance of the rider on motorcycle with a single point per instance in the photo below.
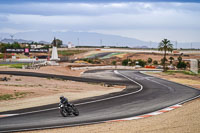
(64, 100)
(68, 107)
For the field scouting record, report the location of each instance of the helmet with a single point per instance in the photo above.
(61, 97)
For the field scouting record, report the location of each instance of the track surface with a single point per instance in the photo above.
(144, 94)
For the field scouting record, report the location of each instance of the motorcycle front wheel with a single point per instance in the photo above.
(63, 112)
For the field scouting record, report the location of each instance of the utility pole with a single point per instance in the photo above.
(191, 45)
(150, 44)
(5, 55)
(101, 42)
(176, 45)
(12, 36)
(78, 41)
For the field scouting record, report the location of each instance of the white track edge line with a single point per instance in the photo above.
(132, 118)
(167, 80)
(116, 72)
(178, 84)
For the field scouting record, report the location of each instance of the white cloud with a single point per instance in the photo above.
(94, 8)
(13, 31)
(150, 20)
(145, 18)
(117, 5)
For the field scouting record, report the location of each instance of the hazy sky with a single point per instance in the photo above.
(142, 19)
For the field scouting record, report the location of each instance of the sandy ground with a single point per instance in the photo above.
(190, 80)
(42, 91)
(182, 120)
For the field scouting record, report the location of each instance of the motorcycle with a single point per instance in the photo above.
(68, 110)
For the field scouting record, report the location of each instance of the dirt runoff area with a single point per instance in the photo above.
(24, 92)
(190, 80)
(182, 120)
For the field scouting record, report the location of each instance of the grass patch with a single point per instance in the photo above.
(172, 72)
(169, 72)
(6, 97)
(14, 96)
(15, 85)
(95, 83)
(18, 79)
(22, 94)
(102, 84)
(70, 52)
(4, 64)
(19, 94)
(40, 85)
(49, 78)
(190, 73)
(19, 66)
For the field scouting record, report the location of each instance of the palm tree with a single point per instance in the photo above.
(165, 45)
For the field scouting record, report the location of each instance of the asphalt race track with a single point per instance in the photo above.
(143, 94)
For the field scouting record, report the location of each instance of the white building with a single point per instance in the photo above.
(70, 45)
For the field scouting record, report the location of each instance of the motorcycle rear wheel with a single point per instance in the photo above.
(76, 112)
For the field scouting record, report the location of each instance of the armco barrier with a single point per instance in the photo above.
(102, 67)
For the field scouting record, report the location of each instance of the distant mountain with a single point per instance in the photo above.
(43, 42)
(141, 47)
(5, 40)
(89, 39)
(79, 38)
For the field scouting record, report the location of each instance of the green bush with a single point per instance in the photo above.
(149, 60)
(114, 62)
(155, 62)
(126, 62)
(5, 46)
(85, 59)
(90, 61)
(141, 62)
(1, 56)
(181, 65)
